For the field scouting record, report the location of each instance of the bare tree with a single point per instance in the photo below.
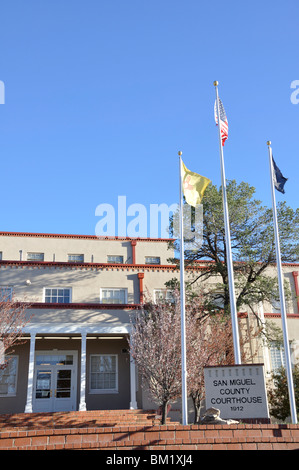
(13, 318)
(155, 346)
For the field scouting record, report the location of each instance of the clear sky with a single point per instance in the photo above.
(100, 95)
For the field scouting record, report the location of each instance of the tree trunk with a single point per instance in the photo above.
(196, 405)
(164, 412)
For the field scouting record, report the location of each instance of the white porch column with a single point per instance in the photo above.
(82, 404)
(28, 407)
(133, 402)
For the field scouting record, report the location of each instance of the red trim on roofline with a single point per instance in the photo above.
(79, 265)
(92, 306)
(99, 306)
(278, 315)
(207, 261)
(295, 276)
(67, 264)
(85, 237)
(80, 306)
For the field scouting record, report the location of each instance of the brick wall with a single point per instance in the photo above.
(157, 437)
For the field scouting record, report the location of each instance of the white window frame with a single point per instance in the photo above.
(165, 295)
(217, 298)
(50, 354)
(125, 290)
(278, 352)
(275, 306)
(118, 259)
(8, 294)
(149, 260)
(99, 391)
(79, 256)
(58, 288)
(2, 372)
(35, 256)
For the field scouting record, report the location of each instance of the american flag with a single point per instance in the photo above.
(223, 121)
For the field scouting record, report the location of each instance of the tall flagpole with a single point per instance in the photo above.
(282, 297)
(232, 297)
(182, 291)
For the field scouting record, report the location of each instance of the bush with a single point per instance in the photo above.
(279, 396)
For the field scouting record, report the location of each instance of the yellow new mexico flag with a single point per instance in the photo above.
(193, 185)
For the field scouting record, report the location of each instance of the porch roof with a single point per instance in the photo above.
(77, 328)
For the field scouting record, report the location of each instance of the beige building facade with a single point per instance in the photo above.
(80, 291)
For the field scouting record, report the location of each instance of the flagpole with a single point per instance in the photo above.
(232, 297)
(282, 297)
(182, 293)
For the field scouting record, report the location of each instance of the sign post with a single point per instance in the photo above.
(238, 391)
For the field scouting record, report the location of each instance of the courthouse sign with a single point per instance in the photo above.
(237, 391)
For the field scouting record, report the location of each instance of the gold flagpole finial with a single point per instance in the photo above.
(269, 142)
(216, 83)
(180, 153)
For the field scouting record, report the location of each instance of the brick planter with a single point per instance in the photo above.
(155, 437)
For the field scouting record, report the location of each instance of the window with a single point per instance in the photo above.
(8, 377)
(163, 295)
(5, 293)
(278, 357)
(152, 260)
(113, 296)
(76, 258)
(35, 256)
(103, 373)
(115, 259)
(54, 359)
(0, 255)
(217, 299)
(56, 295)
(275, 304)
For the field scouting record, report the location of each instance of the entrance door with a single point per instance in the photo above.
(63, 390)
(55, 381)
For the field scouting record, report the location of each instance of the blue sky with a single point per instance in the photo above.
(100, 95)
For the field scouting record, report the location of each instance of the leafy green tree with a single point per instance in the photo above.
(278, 396)
(252, 243)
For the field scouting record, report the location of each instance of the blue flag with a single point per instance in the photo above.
(278, 178)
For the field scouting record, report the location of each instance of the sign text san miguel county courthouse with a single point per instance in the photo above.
(237, 391)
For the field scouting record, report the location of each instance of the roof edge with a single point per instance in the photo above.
(85, 237)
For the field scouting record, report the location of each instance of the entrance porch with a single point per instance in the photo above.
(79, 368)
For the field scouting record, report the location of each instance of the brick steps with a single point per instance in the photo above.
(167, 437)
(78, 419)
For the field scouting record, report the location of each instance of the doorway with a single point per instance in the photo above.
(55, 381)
